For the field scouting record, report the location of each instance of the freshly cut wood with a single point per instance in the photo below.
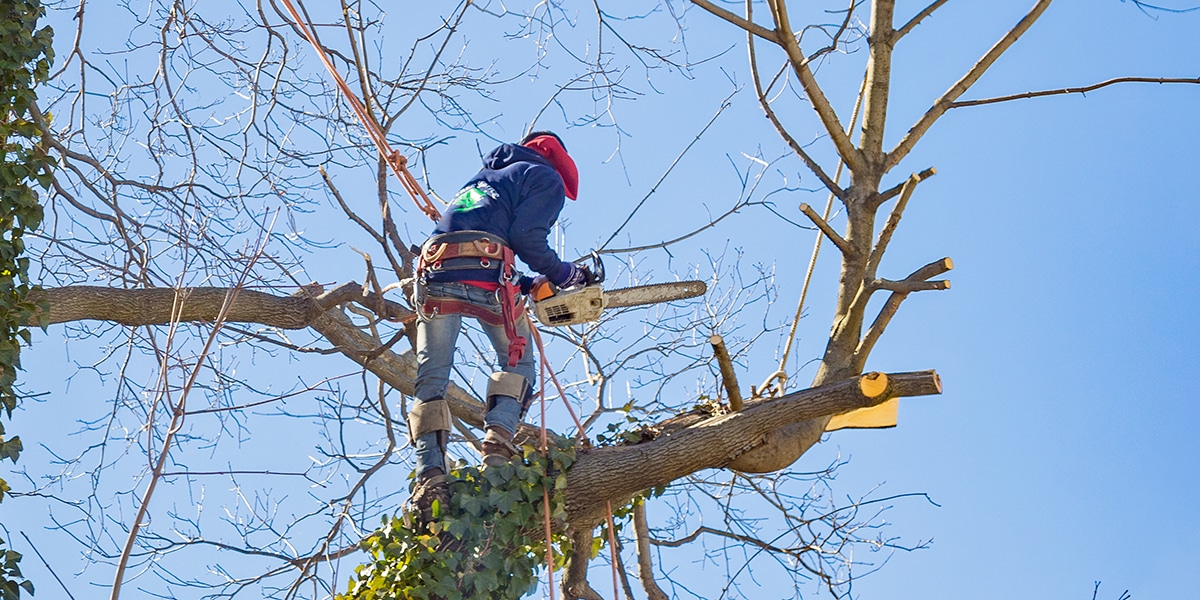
(872, 384)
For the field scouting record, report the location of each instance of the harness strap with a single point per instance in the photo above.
(433, 257)
(510, 290)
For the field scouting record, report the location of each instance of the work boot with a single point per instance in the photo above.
(497, 447)
(431, 485)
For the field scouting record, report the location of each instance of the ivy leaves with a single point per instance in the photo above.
(488, 543)
(25, 58)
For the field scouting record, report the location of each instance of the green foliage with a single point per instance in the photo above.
(25, 58)
(488, 543)
(11, 580)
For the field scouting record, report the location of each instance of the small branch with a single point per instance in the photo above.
(749, 26)
(908, 287)
(1074, 90)
(851, 155)
(575, 585)
(960, 87)
(914, 282)
(921, 16)
(761, 93)
(728, 376)
(889, 228)
(826, 229)
(641, 534)
(897, 189)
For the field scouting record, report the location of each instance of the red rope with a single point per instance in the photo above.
(537, 338)
(545, 488)
(395, 160)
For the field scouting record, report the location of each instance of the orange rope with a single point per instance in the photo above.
(395, 160)
(537, 339)
(612, 540)
(545, 488)
(612, 545)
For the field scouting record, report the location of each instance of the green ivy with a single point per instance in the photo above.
(11, 580)
(25, 58)
(488, 543)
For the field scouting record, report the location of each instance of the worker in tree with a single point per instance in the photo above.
(466, 268)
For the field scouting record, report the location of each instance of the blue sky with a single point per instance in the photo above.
(1062, 451)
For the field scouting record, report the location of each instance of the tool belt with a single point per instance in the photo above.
(492, 259)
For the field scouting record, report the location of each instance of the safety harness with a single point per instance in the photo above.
(490, 257)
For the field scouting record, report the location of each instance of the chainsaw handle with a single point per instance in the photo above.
(593, 271)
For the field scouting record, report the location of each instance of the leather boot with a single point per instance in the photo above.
(497, 447)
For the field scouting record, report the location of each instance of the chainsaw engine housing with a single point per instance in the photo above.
(570, 307)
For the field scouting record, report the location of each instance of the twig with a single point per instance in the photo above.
(1074, 90)
(827, 230)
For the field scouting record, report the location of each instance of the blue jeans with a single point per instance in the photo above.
(436, 338)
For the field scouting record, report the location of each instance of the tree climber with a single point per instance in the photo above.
(466, 268)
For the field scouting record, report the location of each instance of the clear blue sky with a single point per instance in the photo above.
(1063, 450)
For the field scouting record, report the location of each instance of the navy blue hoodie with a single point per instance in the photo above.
(516, 196)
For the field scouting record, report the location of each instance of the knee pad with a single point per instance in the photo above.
(430, 416)
(511, 385)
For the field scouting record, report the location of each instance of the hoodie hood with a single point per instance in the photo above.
(507, 154)
(543, 150)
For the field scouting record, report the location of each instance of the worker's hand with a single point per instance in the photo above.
(529, 284)
(589, 275)
(569, 276)
(526, 283)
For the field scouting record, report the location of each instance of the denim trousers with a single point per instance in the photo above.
(437, 335)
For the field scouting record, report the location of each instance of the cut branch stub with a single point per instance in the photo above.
(872, 384)
(728, 376)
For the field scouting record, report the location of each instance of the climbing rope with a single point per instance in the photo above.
(579, 434)
(394, 159)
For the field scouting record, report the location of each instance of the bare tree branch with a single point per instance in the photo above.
(1074, 90)
(943, 104)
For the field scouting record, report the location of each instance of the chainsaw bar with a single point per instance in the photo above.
(654, 293)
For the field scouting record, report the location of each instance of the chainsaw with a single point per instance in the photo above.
(583, 304)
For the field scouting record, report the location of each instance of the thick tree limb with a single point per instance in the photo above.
(879, 80)
(575, 585)
(960, 87)
(152, 306)
(616, 474)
